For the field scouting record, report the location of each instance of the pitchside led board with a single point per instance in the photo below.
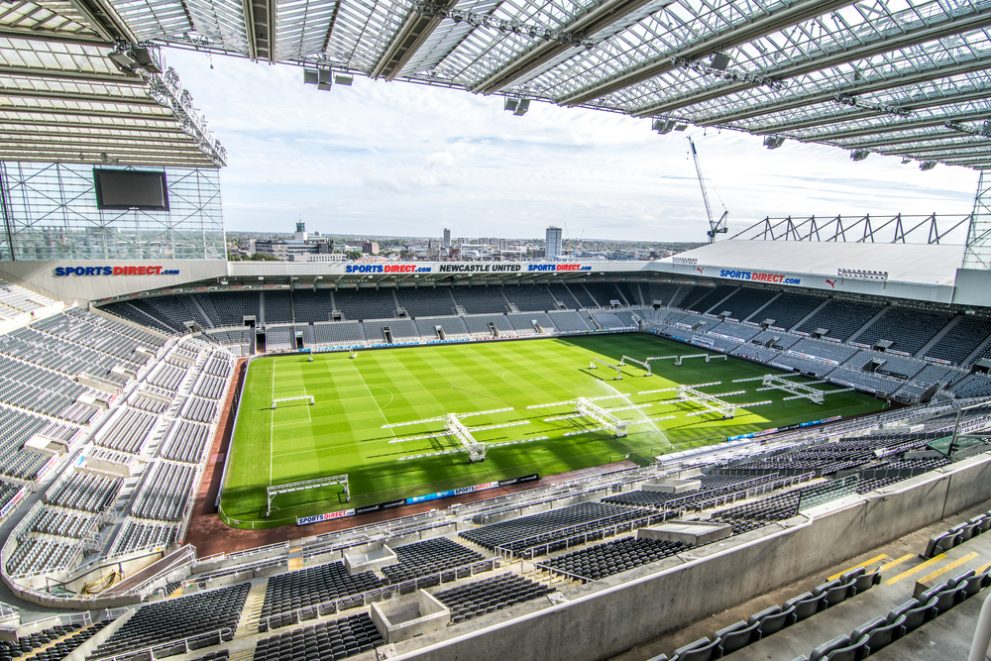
(131, 189)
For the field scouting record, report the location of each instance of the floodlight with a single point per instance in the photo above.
(927, 165)
(662, 126)
(773, 141)
(123, 61)
(522, 107)
(859, 154)
(343, 79)
(510, 104)
(720, 61)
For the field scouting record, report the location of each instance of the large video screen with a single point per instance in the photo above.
(131, 189)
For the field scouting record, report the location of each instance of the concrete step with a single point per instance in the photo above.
(251, 613)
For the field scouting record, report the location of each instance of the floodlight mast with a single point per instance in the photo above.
(715, 226)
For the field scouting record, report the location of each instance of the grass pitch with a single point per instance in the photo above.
(343, 432)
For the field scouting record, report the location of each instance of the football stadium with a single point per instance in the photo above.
(776, 445)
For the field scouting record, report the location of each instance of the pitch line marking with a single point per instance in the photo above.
(953, 565)
(271, 431)
(916, 569)
(865, 563)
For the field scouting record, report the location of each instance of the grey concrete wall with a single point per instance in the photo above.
(611, 620)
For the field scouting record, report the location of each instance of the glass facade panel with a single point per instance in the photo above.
(50, 212)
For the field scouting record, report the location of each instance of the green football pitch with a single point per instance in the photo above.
(346, 429)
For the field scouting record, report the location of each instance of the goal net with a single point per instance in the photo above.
(289, 401)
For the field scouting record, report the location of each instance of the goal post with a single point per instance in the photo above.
(289, 400)
(274, 490)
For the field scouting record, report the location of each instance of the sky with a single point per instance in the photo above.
(394, 158)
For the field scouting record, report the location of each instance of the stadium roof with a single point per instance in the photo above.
(71, 91)
(901, 262)
(902, 77)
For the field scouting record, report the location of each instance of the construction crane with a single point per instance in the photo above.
(715, 226)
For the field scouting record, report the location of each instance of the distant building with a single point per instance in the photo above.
(447, 239)
(295, 248)
(553, 247)
(370, 248)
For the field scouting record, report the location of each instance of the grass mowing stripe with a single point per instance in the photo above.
(342, 432)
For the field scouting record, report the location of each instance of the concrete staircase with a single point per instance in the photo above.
(251, 613)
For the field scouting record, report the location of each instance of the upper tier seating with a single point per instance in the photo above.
(909, 329)
(531, 297)
(426, 302)
(842, 318)
(962, 339)
(745, 301)
(311, 306)
(481, 300)
(788, 309)
(358, 305)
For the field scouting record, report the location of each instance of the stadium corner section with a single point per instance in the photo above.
(498, 376)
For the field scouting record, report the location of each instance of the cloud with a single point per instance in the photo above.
(394, 158)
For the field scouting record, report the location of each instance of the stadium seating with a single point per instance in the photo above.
(426, 302)
(310, 305)
(548, 530)
(595, 562)
(788, 309)
(489, 595)
(568, 322)
(745, 301)
(603, 293)
(564, 297)
(289, 592)
(429, 557)
(163, 491)
(139, 536)
(207, 617)
(841, 318)
(961, 339)
(908, 329)
(530, 297)
(336, 639)
(358, 305)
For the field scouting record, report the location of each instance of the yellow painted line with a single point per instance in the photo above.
(983, 568)
(916, 569)
(945, 568)
(865, 563)
(897, 561)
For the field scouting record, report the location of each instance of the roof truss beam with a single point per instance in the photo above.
(883, 44)
(797, 13)
(599, 18)
(871, 131)
(260, 20)
(890, 82)
(416, 29)
(962, 97)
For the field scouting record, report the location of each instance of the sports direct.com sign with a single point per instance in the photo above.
(760, 276)
(91, 271)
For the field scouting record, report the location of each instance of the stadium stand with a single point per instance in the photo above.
(428, 557)
(365, 304)
(313, 586)
(961, 339)
(489, 595)
(426, 302)
(841, 318)
(337, 639)
(200, 619)
(596, 562)
(912, 328)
